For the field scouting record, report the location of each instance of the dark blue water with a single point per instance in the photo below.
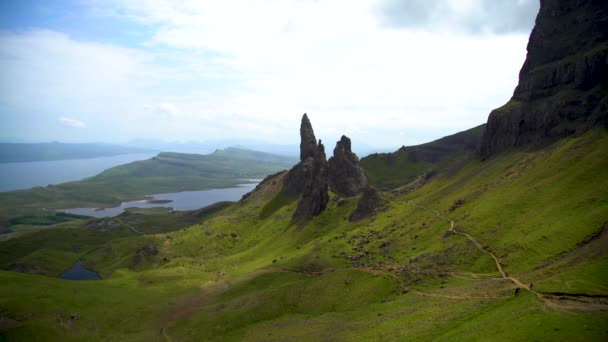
(78, 272)
(15, 176)
(185, 200)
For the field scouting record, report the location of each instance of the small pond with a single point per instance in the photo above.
(79, 272)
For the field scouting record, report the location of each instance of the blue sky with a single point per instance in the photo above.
(384, 72)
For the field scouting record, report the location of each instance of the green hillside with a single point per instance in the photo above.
(390, 170)
(498, 233)
(522, 258)
(167, 172)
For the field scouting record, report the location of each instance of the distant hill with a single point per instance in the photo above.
(166, 172)
(208, 146)
(230, 163)
(25, 152)
(389, 170)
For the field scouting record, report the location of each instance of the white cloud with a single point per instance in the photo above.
(250, 69)
(163, 109)
(72, 122)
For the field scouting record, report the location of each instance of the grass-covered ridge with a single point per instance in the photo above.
(167, 172)
(390, 170)
(246, 273)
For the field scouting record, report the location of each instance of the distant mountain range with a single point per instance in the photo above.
(26, 152)
(205, 147)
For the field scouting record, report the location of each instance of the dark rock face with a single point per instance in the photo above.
(346, 178)
(314, 197)
(563, 84)
(142, 253)
(308, 178)
(369, 203)
(308, 142)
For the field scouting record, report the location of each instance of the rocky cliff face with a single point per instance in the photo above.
(308, 142)
(314, 196)
(563, 84)
(308, 178)
(346, 178)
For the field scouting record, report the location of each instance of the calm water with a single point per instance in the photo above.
(14, 176)
(185, 200)
(78, 272)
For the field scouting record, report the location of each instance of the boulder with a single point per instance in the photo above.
(142, 253)
(369, 204)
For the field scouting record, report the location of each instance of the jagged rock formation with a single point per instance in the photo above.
(308, 178)
(308, 142)
(346, 178)
(314, 197)
(369, 203)
(563, 84)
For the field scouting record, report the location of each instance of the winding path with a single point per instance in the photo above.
(189, 304)
(130, 227)
(562, 301)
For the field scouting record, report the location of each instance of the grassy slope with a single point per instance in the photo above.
(390, 170)
(540, 212)
(167, 172)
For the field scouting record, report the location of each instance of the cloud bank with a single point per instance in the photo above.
(72, 122)
(249, 69)
(472, 16)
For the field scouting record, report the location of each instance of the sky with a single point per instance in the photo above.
(386, 73)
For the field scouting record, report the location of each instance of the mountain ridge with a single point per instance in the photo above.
(563, 83)
(26, 152)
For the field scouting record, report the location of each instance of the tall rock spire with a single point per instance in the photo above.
(346, 178)
(309, 178)
(315, 197)
(308, 142)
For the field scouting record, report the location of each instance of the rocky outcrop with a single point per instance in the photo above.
(346, 178)
(308, 179)
(369, 203)
(563, 84)
(314, 196)
(142, 253)
(308, 142)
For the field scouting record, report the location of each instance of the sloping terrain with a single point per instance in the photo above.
(402, 274)
(456, 248)
(390, 170)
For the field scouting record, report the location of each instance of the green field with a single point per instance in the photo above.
(247, 272)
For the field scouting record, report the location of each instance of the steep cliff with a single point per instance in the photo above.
(563, 84)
